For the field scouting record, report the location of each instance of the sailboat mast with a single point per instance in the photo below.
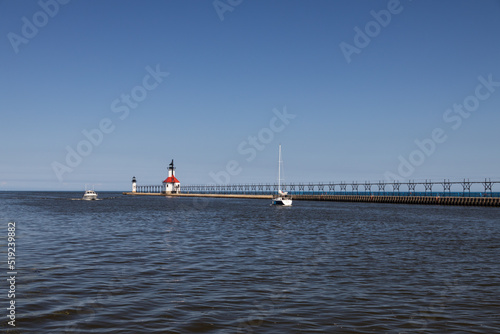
(279, 169)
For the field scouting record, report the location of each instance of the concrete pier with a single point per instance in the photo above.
(428, 200)
(464, 201)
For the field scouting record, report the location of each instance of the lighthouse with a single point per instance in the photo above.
(171, 184)
(134, 185)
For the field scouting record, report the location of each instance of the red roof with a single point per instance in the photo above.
(171, 179)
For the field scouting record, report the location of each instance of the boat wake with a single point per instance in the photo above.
(87, 200)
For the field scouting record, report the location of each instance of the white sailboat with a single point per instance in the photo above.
(282, 198)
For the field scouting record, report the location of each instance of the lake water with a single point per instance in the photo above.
(180, 265)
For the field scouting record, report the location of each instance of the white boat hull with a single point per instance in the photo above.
(89, 195)
(282, 201)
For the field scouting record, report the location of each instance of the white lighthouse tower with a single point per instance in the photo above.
(134, 185)
(171, 184)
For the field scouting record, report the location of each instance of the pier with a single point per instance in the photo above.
(463, 201)
(445, 192)
(202, 195)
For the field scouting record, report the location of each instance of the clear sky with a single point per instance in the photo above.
(353, 90)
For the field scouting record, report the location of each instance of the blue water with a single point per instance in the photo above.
(181, 265)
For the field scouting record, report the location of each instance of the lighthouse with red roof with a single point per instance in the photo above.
(171, 184)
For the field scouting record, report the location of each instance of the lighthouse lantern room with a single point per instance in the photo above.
(171, 184)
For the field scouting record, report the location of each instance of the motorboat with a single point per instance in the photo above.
(89, 195)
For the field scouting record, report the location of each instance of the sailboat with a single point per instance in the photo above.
(282, 198)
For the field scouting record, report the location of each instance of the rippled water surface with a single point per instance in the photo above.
(181, 265)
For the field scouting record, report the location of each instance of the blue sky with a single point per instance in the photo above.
(229, 79)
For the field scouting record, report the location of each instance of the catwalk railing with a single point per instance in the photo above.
(151, 189)
(445, 188)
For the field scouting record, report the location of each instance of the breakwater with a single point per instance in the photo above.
(465, 201)
(425, 200)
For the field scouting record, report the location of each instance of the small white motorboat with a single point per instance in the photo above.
(89, 195)
(282, 198)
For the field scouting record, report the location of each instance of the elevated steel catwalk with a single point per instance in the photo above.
(444, 188)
